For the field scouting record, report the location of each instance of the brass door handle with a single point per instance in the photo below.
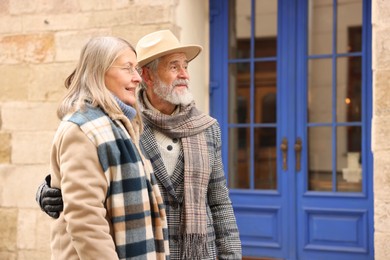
(284, 148)
(298, 149)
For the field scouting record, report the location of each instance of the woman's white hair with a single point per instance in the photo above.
(86, 82)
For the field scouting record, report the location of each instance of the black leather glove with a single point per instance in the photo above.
(49, 199)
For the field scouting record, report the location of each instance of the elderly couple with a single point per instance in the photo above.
(137, 174)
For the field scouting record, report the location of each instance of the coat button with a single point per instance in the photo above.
(175, 140)
(174, 205)
(169, 147)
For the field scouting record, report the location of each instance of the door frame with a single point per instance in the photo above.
(287, 14)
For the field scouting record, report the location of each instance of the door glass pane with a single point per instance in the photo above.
(320, 158)
(239, 98)
(335, 99)
(319, 98)
(265, 158)
(265, 92)
(240, 23)
(349, 89)
(349, 169)
(266, 26)
(239, 158)
(252, 93)
(320, 24)
(347, 23)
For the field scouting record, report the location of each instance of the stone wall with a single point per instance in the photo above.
(40, 41)
(381, 126)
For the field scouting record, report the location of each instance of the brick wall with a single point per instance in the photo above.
(40, 41)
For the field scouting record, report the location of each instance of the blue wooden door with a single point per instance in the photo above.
(290, 84)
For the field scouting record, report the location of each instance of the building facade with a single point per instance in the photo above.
(300, 89)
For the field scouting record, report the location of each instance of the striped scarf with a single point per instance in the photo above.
(189, 125)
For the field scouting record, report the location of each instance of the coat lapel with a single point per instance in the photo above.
(149, 145)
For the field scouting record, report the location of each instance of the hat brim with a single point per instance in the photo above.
(191, 51)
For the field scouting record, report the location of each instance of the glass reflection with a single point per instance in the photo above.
(349, 89)
(239, 158)
(252, 93)
(320, 158)
(319, 90)
(239, 28)
(265, 92)
(239, 98)
(266, 28)
(349, 169)
(265, 158)
(320, 25)
(347, 39)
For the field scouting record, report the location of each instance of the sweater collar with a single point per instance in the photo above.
(127, 110)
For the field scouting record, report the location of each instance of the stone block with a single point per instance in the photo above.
(10, 24)
(381, 13)
(382, 216)
(5, 148)
(55, 22)
(120, 4)
(9, 255)
(14, 82)
(8, 229)
(147, 14)
(18, 116)
(4, 7)
(18, 7)
(79, 22)
(43, 231)
(155, 2)
(31, 147)
(57, 6)
(69, 44)
(381, 245)
(107, 19)
(95, 5)
(382, 175)
(133, 33)
(380, 133)
(381, 94)
(381, 49)
(32, 48)
(26, 235)
(19, 185)
(33, 255)
(47, 83)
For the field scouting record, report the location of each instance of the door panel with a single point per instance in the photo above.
(334, 206)
(290, 86)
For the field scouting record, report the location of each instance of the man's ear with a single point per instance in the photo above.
(147, 76)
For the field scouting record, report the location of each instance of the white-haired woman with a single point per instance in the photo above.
(112, 205)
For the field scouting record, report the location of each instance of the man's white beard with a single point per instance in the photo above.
(168, 93)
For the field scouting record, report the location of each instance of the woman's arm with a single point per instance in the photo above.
(77, 172)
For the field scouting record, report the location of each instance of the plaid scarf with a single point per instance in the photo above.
(189, 125)
(139, 223)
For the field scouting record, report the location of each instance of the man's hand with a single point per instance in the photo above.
(50, 199)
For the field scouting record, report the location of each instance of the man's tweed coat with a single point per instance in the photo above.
(223, 236)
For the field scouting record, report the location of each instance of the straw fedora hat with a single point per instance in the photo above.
(161, 43)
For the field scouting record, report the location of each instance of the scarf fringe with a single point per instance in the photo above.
(193, 246)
